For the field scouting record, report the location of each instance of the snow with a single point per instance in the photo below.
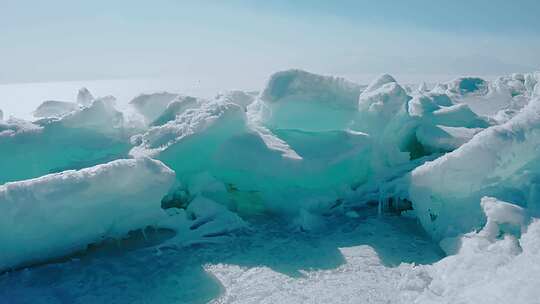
(382, 100)
(443, 125)
(443, 138)
(13, 127)
(445, 192)
(176, 107)
(484, 269)
(271, 262)
(500, 213)
(152, 105)
(101, 116)
(315, 189)
(218, 137)
(31, 150)
(489, 97)
(191, 122)
(61, 213)
(20, 99)
(293, 84)
(361, 279)
(286, 96)
(84, 137)
(489, 267)
(257, 112)
(241, 98)
(53, 108)
(382, 113)
(373, 261)
(84, 97)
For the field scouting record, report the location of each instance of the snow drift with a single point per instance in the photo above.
(61, 213)
(501, 161)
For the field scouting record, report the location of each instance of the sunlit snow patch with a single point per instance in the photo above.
(493, 265)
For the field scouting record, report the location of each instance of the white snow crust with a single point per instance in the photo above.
(61, 213)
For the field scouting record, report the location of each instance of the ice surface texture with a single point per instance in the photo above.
(57, 214)
(68, 136)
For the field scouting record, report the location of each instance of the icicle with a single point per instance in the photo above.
(381, 198)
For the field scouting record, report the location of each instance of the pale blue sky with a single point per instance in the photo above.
(245, 40)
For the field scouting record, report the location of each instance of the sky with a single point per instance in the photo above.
(240, 42)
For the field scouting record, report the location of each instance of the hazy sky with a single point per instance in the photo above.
(244, 41)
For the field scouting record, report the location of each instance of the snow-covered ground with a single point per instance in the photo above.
(309, 189)
(354, 261)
